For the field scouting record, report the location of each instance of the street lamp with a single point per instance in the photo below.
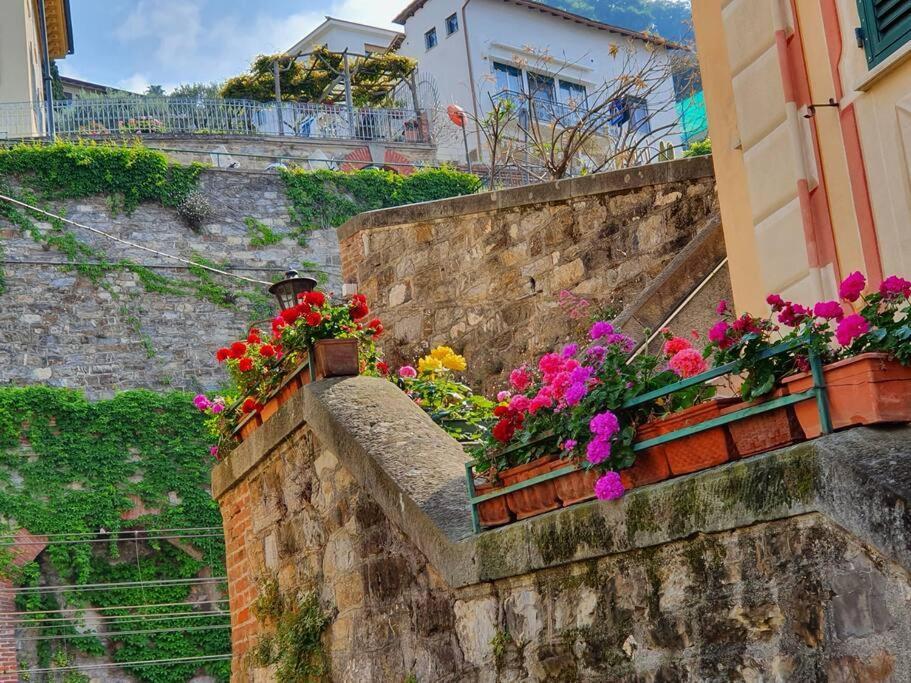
(286, 290)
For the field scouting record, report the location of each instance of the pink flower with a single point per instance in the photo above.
(776, 302)
(503, 396)
(519, 403)
(201, 402)
(602, 328)
(604, 424)
(213, 451)
(676, 344)
(894, 285)
(570, 350)
(850, 328)
(596, 353)
(852, 286)
(688, 363)
(550, 364)
(569, 445)
(830, 310)
(407, 371)
(718, 335)
(598, 450)
(721, 307)
(609, 487)
(520, 379)
(575, 393)
(542, 400)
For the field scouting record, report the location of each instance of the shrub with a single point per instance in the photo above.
(194, 209)
(699, 148)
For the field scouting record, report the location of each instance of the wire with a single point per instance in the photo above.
(117, 531)
(130, 244)
(159, 266)
(113, 586)
(114, 665)
(117, 619)
(83, 609)
(110, 540)
(123, 633)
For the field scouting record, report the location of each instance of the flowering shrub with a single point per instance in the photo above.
(883, 322)
(450, 403)
(258, 364)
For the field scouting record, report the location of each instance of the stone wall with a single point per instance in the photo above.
(60, 328)
(792, 566)
(470, 271)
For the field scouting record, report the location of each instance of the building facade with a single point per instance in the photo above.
(809, 108)
(479, 48)
(21, 58)
(339, 35)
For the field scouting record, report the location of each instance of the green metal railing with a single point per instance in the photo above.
(817, 392)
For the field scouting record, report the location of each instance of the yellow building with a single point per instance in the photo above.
(21, 56)
(809, 193)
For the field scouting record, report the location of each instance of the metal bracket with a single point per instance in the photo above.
(811, 108)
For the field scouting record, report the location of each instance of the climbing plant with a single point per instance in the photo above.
(323, 198)
(70, 466)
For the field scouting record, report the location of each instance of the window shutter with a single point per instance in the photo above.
(887, 26)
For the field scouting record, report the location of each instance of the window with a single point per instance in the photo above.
(430, 39)
(637, 108)
(452, 24)
(543, 95)
(509, 78)
(573, 94)
(886, 27)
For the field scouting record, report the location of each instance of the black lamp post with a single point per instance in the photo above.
(286, 290)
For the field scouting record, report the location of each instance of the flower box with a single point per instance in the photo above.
(574, 487)
(493, 512)
(248, 425)
(534, 500)
(701, 450)
(651, 464)
(335, 358)
(868, 389)
(763, 432)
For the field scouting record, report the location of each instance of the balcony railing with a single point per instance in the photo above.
(165, 115)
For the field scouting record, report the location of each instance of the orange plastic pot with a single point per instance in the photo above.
(335, 358)
(493, 512)
(536, 499)
(869, 389)
(651, 464)
(574, 487)
(763, 432)
(698, 451)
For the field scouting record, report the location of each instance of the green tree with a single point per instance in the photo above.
(668, 18)
(155, 91)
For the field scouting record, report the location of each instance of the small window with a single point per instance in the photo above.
(452, 24)
(430, 39)
(886, 25)
(639, 120)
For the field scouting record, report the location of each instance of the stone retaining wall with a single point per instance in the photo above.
(473, 272)
(60, 328)
(791, 566)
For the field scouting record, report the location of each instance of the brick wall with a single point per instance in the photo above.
(235, 512)
(483, 273)
(25, 548)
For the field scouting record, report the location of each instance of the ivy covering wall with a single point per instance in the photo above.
(70, 465)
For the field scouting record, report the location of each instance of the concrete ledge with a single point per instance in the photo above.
(860, 480)
(539, 193)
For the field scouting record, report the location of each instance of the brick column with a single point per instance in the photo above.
(25, 549)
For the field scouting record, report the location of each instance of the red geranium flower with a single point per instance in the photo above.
(376, 326)
(289, 315)
(238, 350)
(382, 367)
(248, 406)
(358, 307)
(314, 318)
(266, 350)
(222, 355)
(503, 431)
(253, 337)
(245, 365)
(277, 325)
(315, 298)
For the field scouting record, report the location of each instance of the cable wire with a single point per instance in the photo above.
(117, 531)
(128, 243)
(112, 634)
(83, 609)
(116, 619)
(115, 665)
(109, 540)
(114, 586)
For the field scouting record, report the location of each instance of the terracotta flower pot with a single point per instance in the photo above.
(533, 500)
(574, 487)
(269, 407)
(249, 425)
(493, 512)
(697, 451)
(765, 431)
(872, 388)
(651, 464)
(335, 358)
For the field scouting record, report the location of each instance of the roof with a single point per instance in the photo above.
(59, 28)
(415, 5)
(389, 34)
(87, 85)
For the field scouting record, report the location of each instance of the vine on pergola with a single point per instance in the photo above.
(319, 76)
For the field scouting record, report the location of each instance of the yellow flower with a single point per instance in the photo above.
(454, 362)
(428, 365)
(441, 352)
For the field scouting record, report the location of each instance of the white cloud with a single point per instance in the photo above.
(369, 11)
(137, 83)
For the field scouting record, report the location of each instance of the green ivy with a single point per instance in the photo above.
(323, 199)
(68, 465)
(260, 234)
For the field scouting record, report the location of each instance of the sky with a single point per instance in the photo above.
(131, 44)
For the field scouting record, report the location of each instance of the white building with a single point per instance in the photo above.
(339, 35)
(475, 48)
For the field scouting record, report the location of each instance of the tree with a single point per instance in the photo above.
(155, 91)
(194, 91)
(668, 18)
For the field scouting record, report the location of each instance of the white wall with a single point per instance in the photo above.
(502, 32)
(340, 36)
(20, 68)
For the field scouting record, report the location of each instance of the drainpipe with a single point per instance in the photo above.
(46, 70)
(474, 95)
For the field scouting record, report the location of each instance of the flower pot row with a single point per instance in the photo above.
(868, 389)
(327, 358)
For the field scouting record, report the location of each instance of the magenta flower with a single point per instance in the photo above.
(602, 328)
(519, 403)
(550, 363)
(503, 396)
(687, 363)
(895, 285)
(604, 424)
(569, 445)
(722, 307)
(852, 286)
(718, 334)
(850, 328)
(520, 379)
(407, 371)
(201, 402)
(596, 352)
(575, 393)
(217, 407)
(609, 487)
(570, 350)
(213, 451)
(775, 301)
(598, 450)
(830, 310)
(542, 400)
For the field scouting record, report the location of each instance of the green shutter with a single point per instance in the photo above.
(887, 26)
